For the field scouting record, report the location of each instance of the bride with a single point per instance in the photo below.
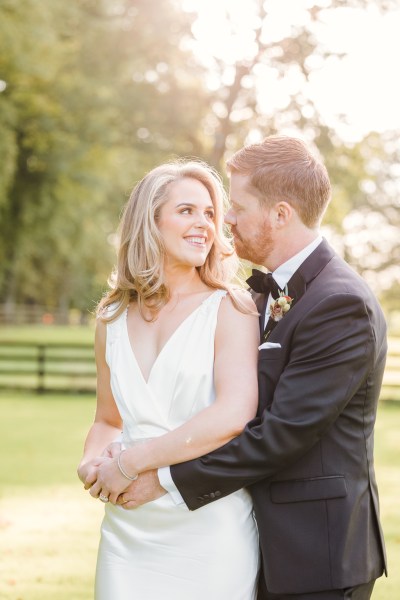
(176, 355)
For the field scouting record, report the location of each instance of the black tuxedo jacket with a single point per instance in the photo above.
(307, 457)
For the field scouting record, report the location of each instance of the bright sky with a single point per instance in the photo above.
(362, 86)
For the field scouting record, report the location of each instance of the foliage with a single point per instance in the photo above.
(267, 56)
(364, 216)
(93, 93)
(91, 101)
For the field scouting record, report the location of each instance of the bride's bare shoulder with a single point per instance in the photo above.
(237, 309)
(237, 320)
(241, 301)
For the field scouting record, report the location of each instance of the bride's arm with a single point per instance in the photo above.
(235, 375)
(107, 422)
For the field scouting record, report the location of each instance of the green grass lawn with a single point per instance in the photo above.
(49, 525)
(387, 467)
(48, 334)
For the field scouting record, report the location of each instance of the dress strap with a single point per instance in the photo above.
(215, 297)
(114, 328)
(212, 302)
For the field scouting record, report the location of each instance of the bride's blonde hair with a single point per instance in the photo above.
(139, 273)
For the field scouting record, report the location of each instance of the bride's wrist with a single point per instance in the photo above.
(126, 465)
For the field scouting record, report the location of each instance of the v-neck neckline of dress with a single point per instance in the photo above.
(176, 330)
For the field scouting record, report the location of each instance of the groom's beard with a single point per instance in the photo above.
(257, 246)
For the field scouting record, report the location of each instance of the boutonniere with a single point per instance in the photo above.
(279, 307)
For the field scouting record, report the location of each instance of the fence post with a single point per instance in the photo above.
(41, 368)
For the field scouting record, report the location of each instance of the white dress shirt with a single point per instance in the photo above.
(281, 275)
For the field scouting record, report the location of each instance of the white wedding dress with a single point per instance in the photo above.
(163, 551)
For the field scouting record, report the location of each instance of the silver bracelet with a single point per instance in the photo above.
(122, 471)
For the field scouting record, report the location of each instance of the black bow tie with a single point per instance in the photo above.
(263, 283)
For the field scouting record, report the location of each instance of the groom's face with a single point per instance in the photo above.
(250, 221)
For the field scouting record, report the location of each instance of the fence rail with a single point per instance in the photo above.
(47, 367)
(71, 367)
(25, 314)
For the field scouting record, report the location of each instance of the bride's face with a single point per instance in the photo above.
(186, 223)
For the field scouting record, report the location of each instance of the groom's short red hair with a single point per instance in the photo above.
(283, 168)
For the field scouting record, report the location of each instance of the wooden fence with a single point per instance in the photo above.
(25, 314)
(71, 367)
(391, 378)
(47, 367)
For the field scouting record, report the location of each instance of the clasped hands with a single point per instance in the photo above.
(104, 480)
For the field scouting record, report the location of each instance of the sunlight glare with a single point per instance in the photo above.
(224, 29)
(355, 93)
(365, 91)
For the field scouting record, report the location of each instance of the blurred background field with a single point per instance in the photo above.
(49, 526)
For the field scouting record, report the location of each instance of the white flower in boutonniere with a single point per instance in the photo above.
(279, 307)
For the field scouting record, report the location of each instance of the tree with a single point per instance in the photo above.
(264, 54)
(93, 93)
(90, 102)
(364, 215)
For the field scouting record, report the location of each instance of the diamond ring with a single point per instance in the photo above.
(103, 498)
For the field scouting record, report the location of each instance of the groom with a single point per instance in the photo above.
(307, 457)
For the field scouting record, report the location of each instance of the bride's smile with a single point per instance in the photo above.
(186, 223)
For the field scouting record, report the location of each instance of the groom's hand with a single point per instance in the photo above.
(145, 489)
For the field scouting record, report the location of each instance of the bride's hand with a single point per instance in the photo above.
(87, 471)
(109, 482)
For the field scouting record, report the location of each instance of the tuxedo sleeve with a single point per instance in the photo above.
(332, 351)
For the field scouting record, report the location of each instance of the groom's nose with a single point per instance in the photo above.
(230, 217)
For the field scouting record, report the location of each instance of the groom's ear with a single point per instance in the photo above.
(283, 213)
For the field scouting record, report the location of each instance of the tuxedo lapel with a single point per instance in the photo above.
(299, 281)
(309, 270)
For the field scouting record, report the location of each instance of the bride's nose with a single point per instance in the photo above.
(202, 222)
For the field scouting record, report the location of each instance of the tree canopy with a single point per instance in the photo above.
(93, 93)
